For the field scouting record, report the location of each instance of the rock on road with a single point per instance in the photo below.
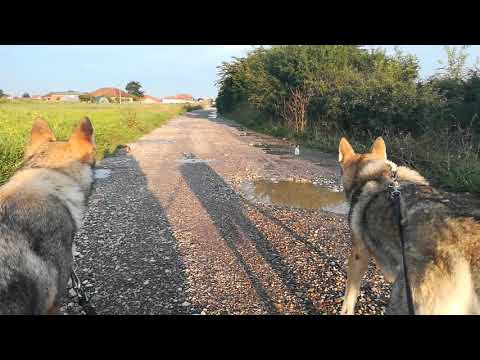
(170, 232)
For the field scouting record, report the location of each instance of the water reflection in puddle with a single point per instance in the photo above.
(101, 173)
(192, 161)
(295, 194)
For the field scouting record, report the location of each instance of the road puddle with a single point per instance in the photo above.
(189, 158)
(275, 149)
(278, 152)
(101, 173)
(192, 161)
(296, 194)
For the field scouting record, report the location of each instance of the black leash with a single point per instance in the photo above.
(83, 298)
(397, 213)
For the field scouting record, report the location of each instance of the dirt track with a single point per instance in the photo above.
(169, 232)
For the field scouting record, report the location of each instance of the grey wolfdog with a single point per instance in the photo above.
(41, 208)
(442, 242)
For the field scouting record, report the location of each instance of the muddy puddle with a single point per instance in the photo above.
(275, 149)
(295, 194)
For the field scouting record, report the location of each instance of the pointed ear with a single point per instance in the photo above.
(345, 150)
(379, 148)
(82, 141)
(40, 134)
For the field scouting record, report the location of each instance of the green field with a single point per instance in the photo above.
(114, 124)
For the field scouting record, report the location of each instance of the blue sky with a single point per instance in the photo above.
(163, 70)
(429, 55)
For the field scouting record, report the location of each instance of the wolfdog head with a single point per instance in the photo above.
(359, 168)
(352, 163)
(74, 157)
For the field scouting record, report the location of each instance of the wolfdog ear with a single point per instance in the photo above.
(40, 134)
(82, 141)
(379, 148)
(345, 150)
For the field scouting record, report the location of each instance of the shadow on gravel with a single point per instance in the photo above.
(268, 214)
(129, 252)
(334, 261)
(225, 209)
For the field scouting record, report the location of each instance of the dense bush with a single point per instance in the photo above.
(343, 86)
(192, 107)
(462, 97)
(86, 98)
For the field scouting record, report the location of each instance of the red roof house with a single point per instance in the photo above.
(113, 94)
(179, 98)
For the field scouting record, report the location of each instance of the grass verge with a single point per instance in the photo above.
(115, 124)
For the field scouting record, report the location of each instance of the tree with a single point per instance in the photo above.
(86, 98)
(134, 88)
(454, 69)
(2, 94)
(26, 95)
(294, 109)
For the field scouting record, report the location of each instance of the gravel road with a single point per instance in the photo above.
(169, 230)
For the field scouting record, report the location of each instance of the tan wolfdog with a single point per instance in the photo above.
(41, 208)
(442, 243)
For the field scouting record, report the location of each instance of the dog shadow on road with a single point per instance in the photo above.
(225, 209)
(129, 252)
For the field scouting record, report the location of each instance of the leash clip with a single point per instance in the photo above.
(394, 186)
(394, 191)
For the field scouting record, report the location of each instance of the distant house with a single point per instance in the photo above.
(178, 99)
(110, 94)
(69, 96)
(37, 97)
(147, 99)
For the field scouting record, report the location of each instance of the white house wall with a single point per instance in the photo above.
(150, 101)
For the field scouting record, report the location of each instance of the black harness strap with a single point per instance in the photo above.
(397, 214)
(84, 299)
